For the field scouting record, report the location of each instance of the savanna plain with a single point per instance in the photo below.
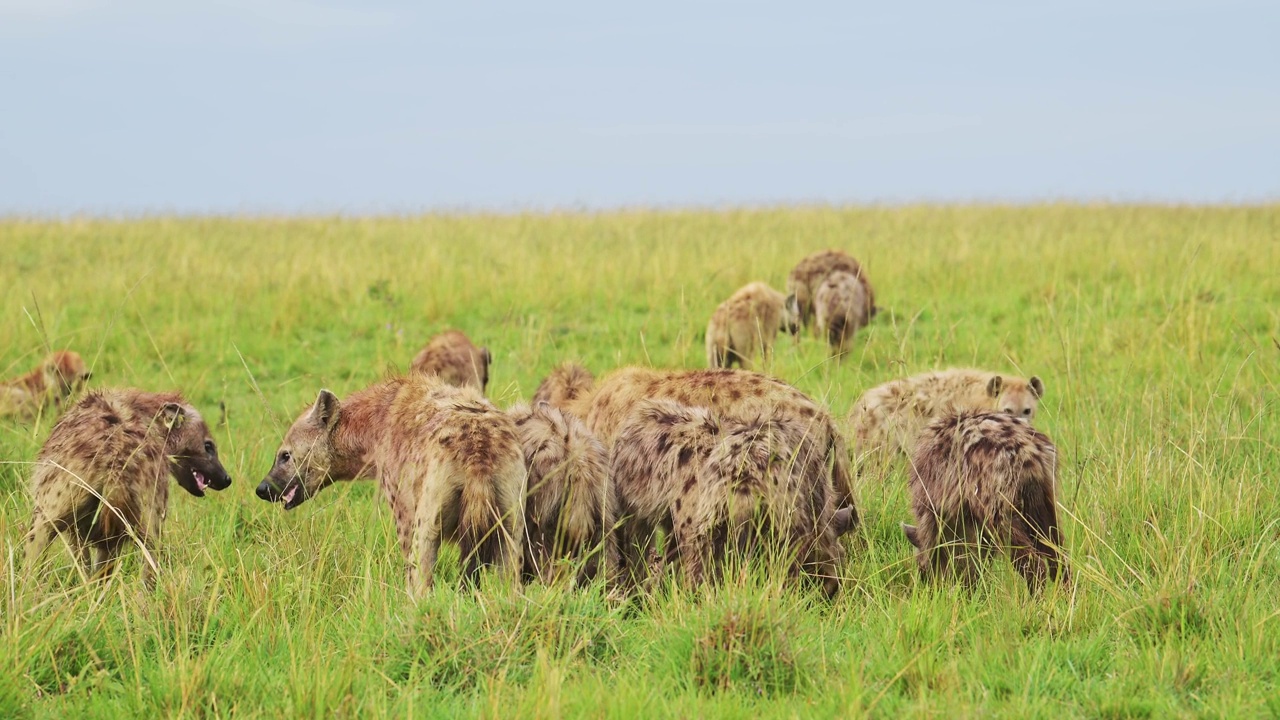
(1156, 330)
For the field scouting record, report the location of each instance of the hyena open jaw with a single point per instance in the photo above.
(982, 482)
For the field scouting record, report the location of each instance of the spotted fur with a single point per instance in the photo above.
(456, 360)
(746, 325)
(563, 385)
(57, 379)
(808, 275)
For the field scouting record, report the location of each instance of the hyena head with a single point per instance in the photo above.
(1015, 396)
(64, 372)
(305, 457)
(791, 314)
(193, 455)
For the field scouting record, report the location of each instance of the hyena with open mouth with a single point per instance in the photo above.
(102, 477)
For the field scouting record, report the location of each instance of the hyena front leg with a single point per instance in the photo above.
(38, 538)
(149, 542)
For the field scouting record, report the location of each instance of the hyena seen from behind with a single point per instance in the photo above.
(102, 477)
(55, 380)
(569, 511)
(448, 462)
(982, 482)
(563, 385)
(842, 307)
(455, 359)
(720, 485)
(809, 274)
(746, 324)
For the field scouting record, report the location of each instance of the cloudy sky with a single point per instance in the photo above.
(139, 106)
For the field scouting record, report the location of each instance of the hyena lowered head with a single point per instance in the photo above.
(982, 482)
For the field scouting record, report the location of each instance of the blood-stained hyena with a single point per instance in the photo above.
(842, 309)
(980, 482)
(569, 512)
(730, 393)
(565, 384)
(716, 484)
(56, 379)
(887, 418)
(747, 323)
(809, 274)
(453, 357)
(102, 477)
(448, 462)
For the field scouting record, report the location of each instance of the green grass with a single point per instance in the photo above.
(1155, 330)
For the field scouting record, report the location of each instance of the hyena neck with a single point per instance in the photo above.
(361, 423)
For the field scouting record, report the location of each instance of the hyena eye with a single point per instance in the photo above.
(209, 447)
(284, 457)
(1026, 411)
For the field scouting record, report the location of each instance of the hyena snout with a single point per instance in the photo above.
(268, 491)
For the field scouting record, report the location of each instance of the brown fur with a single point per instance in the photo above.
(809, 274)
(569, 511)
(102, 476)
(747, 323)
(982, 481)
(737, 394)
(565, 384)
(457, 361)
(842, 309)
(55, 380)
(714, 483)
(887, 418)
(448, 462)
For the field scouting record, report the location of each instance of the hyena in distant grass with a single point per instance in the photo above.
(982, 482)
(563, 385)
(746, 324)
(455, 359)
(448, 461)
(808, 275)
(718, 485)
(842, 308)
(55, 380)
(102, 477)
(569, 510)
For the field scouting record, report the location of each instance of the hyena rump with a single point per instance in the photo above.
(455, 359)
(102, 477)
(563, 385)
(717, 485)
(809, 274)
(56, 379)
(448, 462)
(746, 324)
(842, 307)
(982, 482)
(569, 511)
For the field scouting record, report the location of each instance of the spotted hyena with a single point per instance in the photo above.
(58, 377)
(448, 462)
(842, 309)
(747, 323)
(983, 481)
(565, 384)
(809, 274)
(730, 393)
(102, 477)
(720, 484)
(887, 418)
(457, 361)
(569, 511)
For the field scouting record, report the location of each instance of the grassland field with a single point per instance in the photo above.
(1156, 330)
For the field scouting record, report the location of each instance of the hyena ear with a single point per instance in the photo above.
(994, 386)
(843, 520)
(488, 357)
(325, 412)
(1037, 386)
(911, 533)
(173, 415)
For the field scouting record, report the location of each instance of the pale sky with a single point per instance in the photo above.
(293, 106)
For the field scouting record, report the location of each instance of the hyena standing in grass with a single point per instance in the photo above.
(102, 477)
(842, 307)
(808, 275)
(563, 385)
(746, 324)
(982, 482)
(569, 513)
(448, 462)
(455, 359)
(888, 418)
(720, 484)
(56, 379)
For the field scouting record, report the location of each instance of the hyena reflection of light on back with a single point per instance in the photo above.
(448, 462)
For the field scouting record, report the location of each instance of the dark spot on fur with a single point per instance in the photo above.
(686, 454)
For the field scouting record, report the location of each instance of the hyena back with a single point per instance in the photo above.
(455, 359)
(982, 482)
(809, 274)
(102, 477)
(448, 462)
(55, 380)
(746, 324)
(842, 308)
(563, 385)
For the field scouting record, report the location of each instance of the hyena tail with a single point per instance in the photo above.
(491, 521)
(836, 330)
(842, 481)
(1036, 537)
